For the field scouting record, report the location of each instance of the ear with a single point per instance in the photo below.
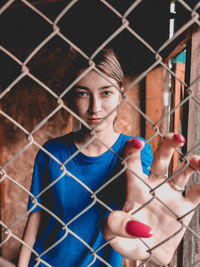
(121, 96)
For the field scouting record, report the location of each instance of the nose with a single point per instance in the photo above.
(95, 105)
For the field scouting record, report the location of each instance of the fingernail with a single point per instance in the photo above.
(137, 143)
(180, 138)
(138, 229)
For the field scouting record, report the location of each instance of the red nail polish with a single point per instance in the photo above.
(180, 138)
(138, 229)
(137, 143)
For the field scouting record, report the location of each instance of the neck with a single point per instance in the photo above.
(96, 147)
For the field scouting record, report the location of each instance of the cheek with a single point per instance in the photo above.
(115, 102)
(81, 106)
(111, 107)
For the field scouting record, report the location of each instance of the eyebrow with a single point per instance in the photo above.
(86, 88)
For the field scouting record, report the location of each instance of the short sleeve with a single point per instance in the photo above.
(38, 179)
(146, 158)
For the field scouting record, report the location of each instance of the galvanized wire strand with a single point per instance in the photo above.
(64, 11)
(77, 117)
(19, 78)
(6, 5)
(14, 122)
(196, 99)
(173, 175)
(37, 11)
(167, 239)
(42, 44)
(192, 84)
(110, 181)
(125, 21)
(139, 111)
(193, 148)
(25, 72)
(8, 53)
(174, 109)
(10, 234)
(173, 74)
(196, 7)
(187, 7)
(6, 176)
(111, 37)
(150, 258)
(111, 8)
(80, 51)
(56, 243)
(103, 204)
(138, 209)
(195, 264)
(56, 30)
(179, 32)
(143, 74)
(67, 231)
(82, 212)
(46, 119)
(83, 74)
(131, 8)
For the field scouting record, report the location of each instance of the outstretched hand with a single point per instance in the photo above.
(152, 212)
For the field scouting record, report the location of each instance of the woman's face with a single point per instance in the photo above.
(94, 98)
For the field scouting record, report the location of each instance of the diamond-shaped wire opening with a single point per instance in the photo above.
(22, 30)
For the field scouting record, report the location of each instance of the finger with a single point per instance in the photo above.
(182, 178)
(165, 152)
(132, 154)
(193, 196)
(120, 223)
(134, 171)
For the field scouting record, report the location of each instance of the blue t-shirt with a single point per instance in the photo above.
(71, 201)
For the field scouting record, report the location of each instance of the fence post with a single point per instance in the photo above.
(191, 248)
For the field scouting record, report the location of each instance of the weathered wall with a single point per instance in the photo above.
(29, 104)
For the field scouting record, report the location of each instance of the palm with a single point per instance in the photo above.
(156, 206)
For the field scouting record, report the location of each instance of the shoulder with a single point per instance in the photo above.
(146, 153)
(59, 141)
(55, 145)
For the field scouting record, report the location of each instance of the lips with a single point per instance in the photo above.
(94, 120)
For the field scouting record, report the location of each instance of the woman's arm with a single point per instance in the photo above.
(30, 234)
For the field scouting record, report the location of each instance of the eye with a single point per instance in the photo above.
(81, 93)
(107, 93)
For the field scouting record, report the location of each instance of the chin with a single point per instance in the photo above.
(101, 128)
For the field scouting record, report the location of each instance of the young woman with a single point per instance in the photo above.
(72, 218)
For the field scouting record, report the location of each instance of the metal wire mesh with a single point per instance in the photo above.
(25, 72)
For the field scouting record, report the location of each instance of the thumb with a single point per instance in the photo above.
(120, 223)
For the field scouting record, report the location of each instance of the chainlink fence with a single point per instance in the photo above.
(191, 95)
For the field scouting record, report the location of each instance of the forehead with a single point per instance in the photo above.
(93, 78)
